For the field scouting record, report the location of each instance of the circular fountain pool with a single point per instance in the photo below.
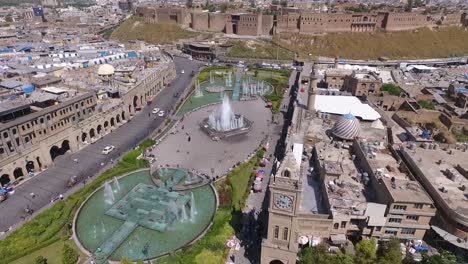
(131, 217)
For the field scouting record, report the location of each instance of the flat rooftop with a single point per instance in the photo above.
(404, 188)
(346, 195)
(435, 164)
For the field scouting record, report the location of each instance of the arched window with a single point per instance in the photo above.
(287, 173)
(285, 233)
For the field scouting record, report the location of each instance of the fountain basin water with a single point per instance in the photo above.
(93, 227)
(224, 122)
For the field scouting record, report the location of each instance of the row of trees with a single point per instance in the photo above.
(366, 253)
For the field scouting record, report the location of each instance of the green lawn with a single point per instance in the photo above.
(211, 248)
(279, 79)
(50, 253)
(51, 225)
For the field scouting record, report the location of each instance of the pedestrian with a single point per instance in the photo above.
(75, 160)
(102, 164)
(189, 139)
(149, 114)
(33, 195)
(61, 196)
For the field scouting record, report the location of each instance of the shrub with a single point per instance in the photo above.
(426, 104)
(392, 89)
(126, 261)
(40, 260)
(69, 255)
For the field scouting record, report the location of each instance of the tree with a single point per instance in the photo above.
(69, 254)
(342, 258)
(444, 257)
(320, 254)
(392, 89)
(390, 253)
(256, 72)
(126, 261)
(40, 260)
(365, 252)
(223, 7)
(189, 3)
(284, 3)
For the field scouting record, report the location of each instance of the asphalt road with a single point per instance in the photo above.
(53, 181)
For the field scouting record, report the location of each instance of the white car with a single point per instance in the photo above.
(108, 150)
(155, 110)
(182, 71)
(161, 113)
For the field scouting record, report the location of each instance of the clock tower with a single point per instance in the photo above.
(281, 244)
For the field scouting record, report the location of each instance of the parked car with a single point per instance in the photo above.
(161, 113)
(108, 150)
(155, 110)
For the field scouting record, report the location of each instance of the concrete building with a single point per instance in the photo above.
(340, 180)
(443, 174)
(30, 143)
(335, 78)
(362, 83)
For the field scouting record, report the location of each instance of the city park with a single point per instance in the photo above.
(178, 198)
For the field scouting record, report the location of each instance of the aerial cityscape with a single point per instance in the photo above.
(233, 131)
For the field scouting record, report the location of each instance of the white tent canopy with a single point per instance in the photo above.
(341, 105)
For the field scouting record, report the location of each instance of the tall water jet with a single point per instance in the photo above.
(116, 185)
(198, 91)
(103, 227)
(193, 209)
(108, 193)
(211, 77)
(184, 214)
(224, 122)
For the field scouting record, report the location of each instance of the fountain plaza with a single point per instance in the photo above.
(146, 215)
(209, 157)
(219, 84)
(134, 218)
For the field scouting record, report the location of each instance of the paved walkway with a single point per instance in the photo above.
(53, 181)
(255, 214)
(213, 158)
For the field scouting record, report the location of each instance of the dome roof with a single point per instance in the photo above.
(106, 69)
(346, 127)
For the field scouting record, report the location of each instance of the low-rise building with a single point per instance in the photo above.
(362, 83)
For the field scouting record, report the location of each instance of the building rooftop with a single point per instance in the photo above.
(446, 171)
(342, 105)
(400, 185)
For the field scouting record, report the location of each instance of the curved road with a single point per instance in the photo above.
(52, 182)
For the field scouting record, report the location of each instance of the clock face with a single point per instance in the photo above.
(283, 202)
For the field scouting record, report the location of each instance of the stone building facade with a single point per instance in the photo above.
(31, 143)
(362, 84)
(294, 21)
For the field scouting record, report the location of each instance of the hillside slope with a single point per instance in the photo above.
(424, 43)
